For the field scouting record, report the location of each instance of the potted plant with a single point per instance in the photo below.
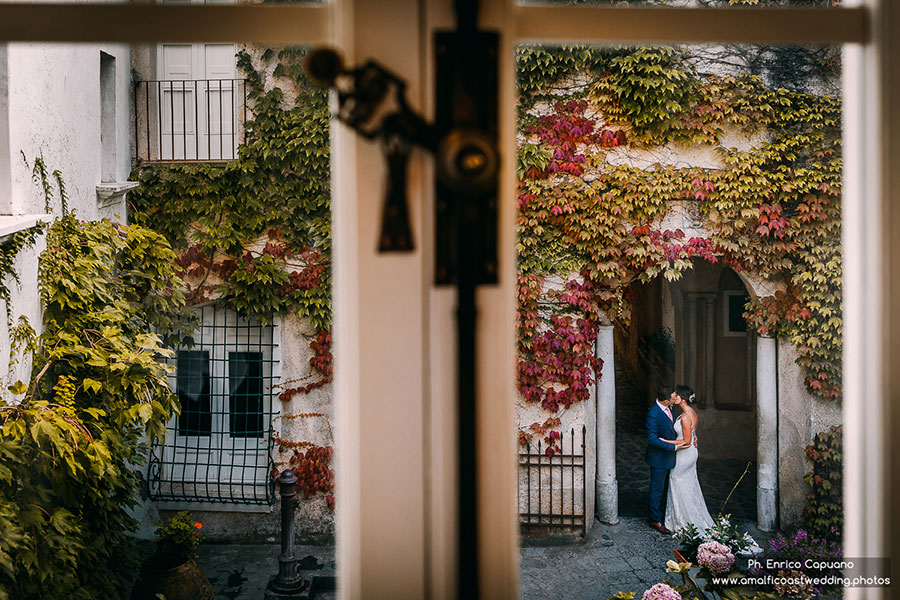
(172, 571)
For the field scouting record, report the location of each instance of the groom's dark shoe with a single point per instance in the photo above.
(659, 527)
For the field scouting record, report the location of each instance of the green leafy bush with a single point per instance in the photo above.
(72, 439)
(823, 515)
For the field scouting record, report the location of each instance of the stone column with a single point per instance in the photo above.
(767, 432)
(607, 486)
(709, 351)
(690, 341)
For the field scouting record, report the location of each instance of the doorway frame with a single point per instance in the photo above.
(871, 234)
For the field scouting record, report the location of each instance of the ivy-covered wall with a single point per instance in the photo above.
(253, 234)
(614, 146)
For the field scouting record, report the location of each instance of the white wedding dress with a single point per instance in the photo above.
(685, 503)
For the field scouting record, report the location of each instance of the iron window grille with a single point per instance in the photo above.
(219, 449)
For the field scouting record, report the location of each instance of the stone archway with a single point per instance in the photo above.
(706, 309)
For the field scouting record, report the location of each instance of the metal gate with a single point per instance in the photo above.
(549, 497)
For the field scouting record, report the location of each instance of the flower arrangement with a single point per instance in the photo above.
(722, 532)
(715, 556)
(179, 537)
(661, 591)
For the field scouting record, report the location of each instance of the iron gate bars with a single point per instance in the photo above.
(546, 506)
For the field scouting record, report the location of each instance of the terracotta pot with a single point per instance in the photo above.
(186, 581)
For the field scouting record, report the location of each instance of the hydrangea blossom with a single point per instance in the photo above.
(661, 591)
(715, 556)
(794, 584)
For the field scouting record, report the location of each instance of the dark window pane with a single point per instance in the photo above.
(736, 321)
(245, 389)
(192, 387)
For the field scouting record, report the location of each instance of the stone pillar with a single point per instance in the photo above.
(767, 432)
(690, 341)
(709, 351)
(607, 486)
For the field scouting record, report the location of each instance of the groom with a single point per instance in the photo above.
(660, 454)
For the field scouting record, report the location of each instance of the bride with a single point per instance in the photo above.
(685, 503)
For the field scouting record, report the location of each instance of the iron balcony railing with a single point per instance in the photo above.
(189, 119)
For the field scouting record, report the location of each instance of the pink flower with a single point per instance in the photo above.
(715, 557)
(661, 591)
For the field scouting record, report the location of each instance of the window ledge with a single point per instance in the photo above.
(10, 224)
(113, 192)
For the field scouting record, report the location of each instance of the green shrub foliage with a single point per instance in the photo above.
(72, 439)
(179, 536)
(823, 515)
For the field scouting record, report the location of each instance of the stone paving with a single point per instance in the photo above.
(242, 571)
(628, 557)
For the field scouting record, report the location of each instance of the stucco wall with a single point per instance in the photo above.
(303, 418)
(800, 417)
(54, 99)
(314, 521)
(50, 108)
(582, 490)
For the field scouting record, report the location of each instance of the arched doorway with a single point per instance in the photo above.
(692, 332)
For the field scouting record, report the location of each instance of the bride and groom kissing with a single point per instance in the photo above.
(675, 495)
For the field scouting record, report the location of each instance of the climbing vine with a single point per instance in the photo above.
(20, 240)
(9, 250)
(589, 218)
(255, 233)
(72, 438)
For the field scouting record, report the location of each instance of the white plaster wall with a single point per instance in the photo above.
(50, 107)
(24, 301)
(54, 105)
(304, 418)
(5, 152)
(800, 417)
(697, 156)
(313, 520)
(578, 415)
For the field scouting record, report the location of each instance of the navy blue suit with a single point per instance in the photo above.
(660, 457)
